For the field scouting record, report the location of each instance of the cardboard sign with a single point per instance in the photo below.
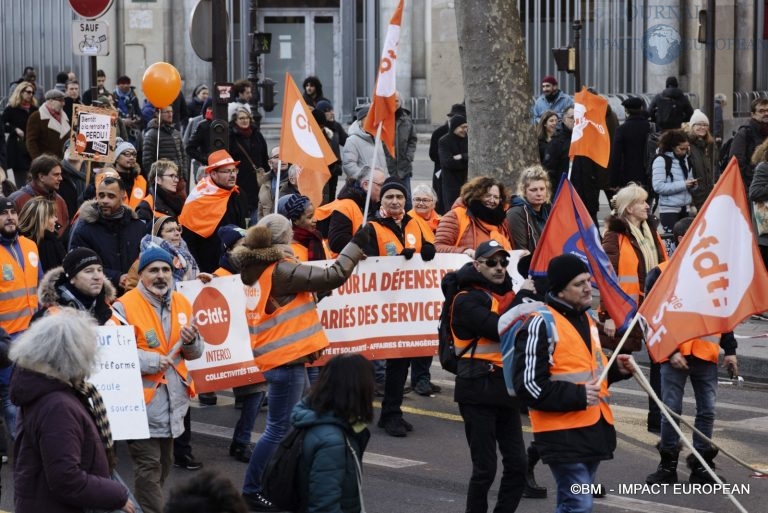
(94, 131)
(118, 380)
(218, 308)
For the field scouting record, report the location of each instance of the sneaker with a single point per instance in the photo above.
(257, 502)
(760, 316)
(393, 426)
(188, 462)
(4, 458)
(423, 388)
(207, 399)
(241, 452)
(407, 390)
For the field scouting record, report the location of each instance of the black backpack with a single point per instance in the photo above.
(446, 350)
(669, 113)
(280, 479)
(725, 151)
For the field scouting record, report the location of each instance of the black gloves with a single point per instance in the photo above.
(362, 238)
(427, 252)
(408, 253)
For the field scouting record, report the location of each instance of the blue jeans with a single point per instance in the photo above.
(244, 426)
(567, 475)
(286, 386)
(703, 376)
(9, 409)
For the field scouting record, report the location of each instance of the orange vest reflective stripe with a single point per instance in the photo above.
(286, 334)
(627, 271)
(485, 349)
(430, 223)
(141, 315)
(205, 207)
(138, 193)
(18, 287)
(390, 245)
(573, 362)
(706, 348)
(346, 206)
(464, 223)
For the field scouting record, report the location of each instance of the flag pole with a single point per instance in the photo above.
(570, 168)
(618, 347)
(376, 144)
(277, 184)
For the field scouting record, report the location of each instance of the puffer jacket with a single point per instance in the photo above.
(672, 191)
(358, 152)
(327, 469)
(171, 147)
(758, 191)
(475, 234)
(54, 291)
(401, 166)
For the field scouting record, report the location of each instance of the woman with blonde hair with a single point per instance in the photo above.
(477, 216)
(21, 104)
(38, 222)
(529, 210)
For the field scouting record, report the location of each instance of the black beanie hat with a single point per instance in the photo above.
(562, 269)
(78, 259)
(393, 183)
(456, 121)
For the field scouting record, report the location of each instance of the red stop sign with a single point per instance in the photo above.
(90, 9)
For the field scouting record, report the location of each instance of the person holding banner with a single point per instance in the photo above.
(477, 216)
(64, 454)
(285, 328)
(557, 364)
(165, 338)
(393, 232)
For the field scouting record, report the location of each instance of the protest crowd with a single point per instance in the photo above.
(87, 245)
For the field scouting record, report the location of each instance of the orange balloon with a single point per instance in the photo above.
(161, 84)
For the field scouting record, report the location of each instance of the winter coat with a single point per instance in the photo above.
(199, 145)
(358, 152)
(673, 192)
(252, 153)
(116, 241)
(60, 462)
(454, 172)
(169, 405)
(171, 147)
(434, 156)
(50, 249)
(747, 138)
(18, 157)
(164, 202)
(401, 165)
(556, 160)
(758, 191)
(54, 291)
(701, 164)
(327, 468)
(561, 102)
(475, 234)
(677, 96)
(628, 152)
(29, 191)
(72, 187)
(525, 224)
(45, 134)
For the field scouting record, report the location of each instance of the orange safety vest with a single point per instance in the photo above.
(18, 287)
(706, 348)
(390, 245)
(628, 265)
(486, 349)
(289, 332)
(347, 207)
(301, 252)
(430, 223)
(141, 315)
(494, 233)
(150, 200)
(138, 193)
(573, 362)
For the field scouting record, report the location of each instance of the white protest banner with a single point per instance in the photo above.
(218, 310)
(93, 133)
(118, 380)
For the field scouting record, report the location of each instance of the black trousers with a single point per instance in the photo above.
(487, 427)
(181, 444)
(394, 383)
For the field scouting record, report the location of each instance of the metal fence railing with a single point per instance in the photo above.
(742, 101)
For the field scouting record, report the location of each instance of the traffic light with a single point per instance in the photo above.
(565, 59)
(219, 135)
(267, 94)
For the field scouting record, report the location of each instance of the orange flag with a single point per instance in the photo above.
(590, 134)
(384, 102)
(303, 143)
(715, 278)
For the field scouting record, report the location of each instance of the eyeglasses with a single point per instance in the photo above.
(493, 262)
(244, 118)
(129, 154)
(423, 200)
(28, 91)
(762, 111)
(704, 125)
(380, 184)
(172, 177)
(227, 171)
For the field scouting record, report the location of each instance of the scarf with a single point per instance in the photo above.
(493, 216)
(644, 238)
(174, 202)
(91, 399)
(245, 132)
(25, 105)
(312, 241)
(55, 115)
(384, 215)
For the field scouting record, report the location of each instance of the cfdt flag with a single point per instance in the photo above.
(715, 278)
(384, 102)
(590, 134)
(570, 229)
(303, 143)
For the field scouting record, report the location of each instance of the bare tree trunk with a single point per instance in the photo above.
(497, 89)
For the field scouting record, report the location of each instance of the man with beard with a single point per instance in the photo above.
(552, 98)
(46, 180)
(111, 229)
(48, 127)
(215, 201)
(165, 337)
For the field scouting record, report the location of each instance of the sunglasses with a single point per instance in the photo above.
(28, 91)
(493, 262)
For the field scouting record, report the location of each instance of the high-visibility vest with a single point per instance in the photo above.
(390, 245)
(150, 200)
(345, 206)
(289, 332)
(486, 349)
(141, 315)
(628, 265)
(137, 194)
(494, 232)
(18, 287)
(571, 361)
(301, 252)
(706, 348)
